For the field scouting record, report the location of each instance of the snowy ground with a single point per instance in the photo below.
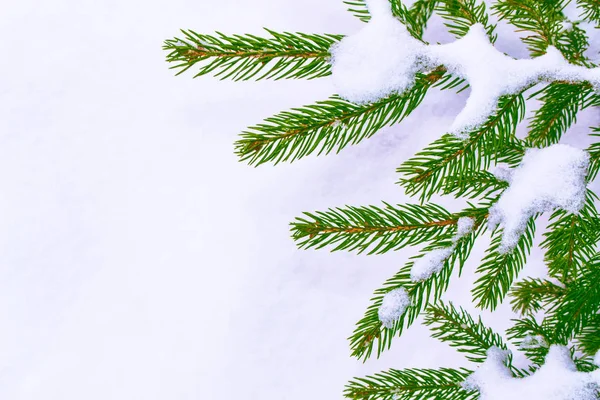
(138, 258)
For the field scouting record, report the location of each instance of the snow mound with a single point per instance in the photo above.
(548, 178)
(379, 60)
(383, 58)
(394, 304)
(557, 379)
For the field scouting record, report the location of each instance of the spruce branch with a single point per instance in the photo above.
(414, 18)
(581, 302)
(373, 228)
(329, 125)
(591, 11)
(460, 330)
(589, 338)
(460, 15)
(571, 239)
(544, 20)
(244, 57)
(562, 101)
(425, 173)
(411, 384)
(594, 152)
(498, 270)
(531, 295)
(474, 184)
(370, 332)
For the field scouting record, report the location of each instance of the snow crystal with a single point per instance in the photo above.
(430, 263)
(533, 342)
(383, 58)
(548, 178)
(557, 379)
(392, 307)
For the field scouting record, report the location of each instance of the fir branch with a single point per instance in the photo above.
(415, 19)
(561, 103)
(458, 327)
(370, 331)
(499, 270)
(594, 152)
(373, 228)
(474, 184)
(531, 295)
(542, 18)
(411, 384)
(581, 302)
(570, 240)
(460, 15)
(329, 125)
(425, 173)
(589, 338)
(591, 10)
(244, 57)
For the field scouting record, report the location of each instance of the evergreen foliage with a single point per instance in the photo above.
(562, 308)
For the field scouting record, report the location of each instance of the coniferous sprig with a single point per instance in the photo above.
(377, 229)
(498, 271)
(543, 19)
(330, 125)
(594, 152)
(243, 57)
(414, 18)
(460, 330)
(581, 302)
(531, 295)
(425, 173)
(474, 184)
(370, 332)
(460, 15)
(589, 338)
(570, 240)
(591, 10)
(561, 101)
(411, 384)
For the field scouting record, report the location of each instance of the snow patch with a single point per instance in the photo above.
(464, 226)
(548, 178)
(557, 379)
(393, 306)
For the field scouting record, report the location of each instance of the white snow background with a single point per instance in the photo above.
(139, 259)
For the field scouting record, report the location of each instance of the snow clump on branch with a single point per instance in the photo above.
(383, 58)
(393, 306)
(548, 178)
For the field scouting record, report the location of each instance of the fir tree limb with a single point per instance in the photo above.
(370, 331)
(570, 240)
(499, 270)
(244, 57)
(561, 103)
(425, 173)
(460, 15)
(411, 384)
(581, 302)
(330, 125)
(591, 10)
(373, 228)
(594, 152)
(531, 295)
(458, 327)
